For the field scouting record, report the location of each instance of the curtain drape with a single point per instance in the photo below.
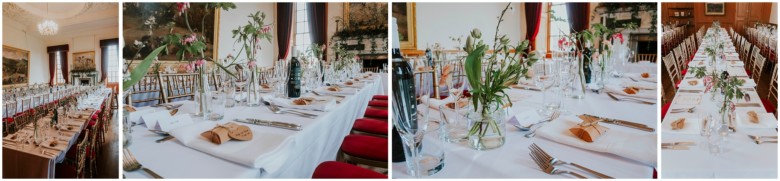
(318, 24)
(104, 44)
(579, 14)
(52, 50)
(284, 21)
(533, 16)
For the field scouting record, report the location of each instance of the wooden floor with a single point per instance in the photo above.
(108, 160)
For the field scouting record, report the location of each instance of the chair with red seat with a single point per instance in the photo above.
(378, 104)
(379, 97)
(366, 150)
(380, 114)
(370, 127)
(334, 169)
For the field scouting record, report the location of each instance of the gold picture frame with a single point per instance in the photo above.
(405, 14)
(16, 66)
(714, 9)
(365, 13)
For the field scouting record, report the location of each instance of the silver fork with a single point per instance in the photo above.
(552, 170)
(679, 110)
(131, 164)
(552, 117)
(526, 128)
(554, 161)
(276, 110)
(765, 141)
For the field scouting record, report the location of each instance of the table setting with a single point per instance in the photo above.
(718, 129)
(558, 123)
(40, 141)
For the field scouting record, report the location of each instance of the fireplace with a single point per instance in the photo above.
(84, 78)
(372, 50)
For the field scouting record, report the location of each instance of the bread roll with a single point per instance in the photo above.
(678, 124)
(753, 117)
(217, 135)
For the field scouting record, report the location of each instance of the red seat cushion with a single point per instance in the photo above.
(683, 72)
(380, 97)
(677, 84)
(768, 106)
(664, 109)
(378, 103)
(367, 147)
(370, 126)
(376, 113)
(334, 169)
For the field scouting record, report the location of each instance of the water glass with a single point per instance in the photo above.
(217, 104)
(454, 126)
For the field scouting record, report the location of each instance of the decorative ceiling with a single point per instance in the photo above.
(71, 17)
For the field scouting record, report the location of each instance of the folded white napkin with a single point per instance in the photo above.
(254, 153)
(435, 103)
(646, 95)
(315, 106)
(635, 146)
(692, 126)
(641, 85)
(638, 76)
(684, 83)
(736, 63)
(766, 120)
(343, 91)
(736, 71)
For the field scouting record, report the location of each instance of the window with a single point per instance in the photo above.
(113, 64)
(559, 25)
(302, 36)
(58, 69)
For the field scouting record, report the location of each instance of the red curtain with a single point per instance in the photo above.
(318, 24)
(284, 21)
(52, 50)
(52, 66)
(533, 16)
(579, 14)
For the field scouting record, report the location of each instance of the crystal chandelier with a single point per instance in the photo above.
(47, 27)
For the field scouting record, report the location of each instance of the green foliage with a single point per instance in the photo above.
(141, 69)
(247, 34)
(699, 72)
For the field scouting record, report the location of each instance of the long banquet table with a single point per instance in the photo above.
(295, 157)
(512, 160)
(740, 157)
(21, 160)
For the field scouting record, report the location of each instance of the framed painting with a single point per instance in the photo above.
(83, 62)
(404, 13)
(365, 15)
(714, 8)
(16, 66)
(146, 24)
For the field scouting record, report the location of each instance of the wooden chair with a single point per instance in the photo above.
(177, 86)
(149, 84)
(758, 65)
(671, 67)
(772, 93)
(371, 69)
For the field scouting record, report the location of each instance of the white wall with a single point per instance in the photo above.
(84, 42)
(437, 22)
(233, 18)
(334, 10)
(15, 35)
(773, 16)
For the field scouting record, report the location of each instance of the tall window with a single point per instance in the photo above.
(58, 69)
(559, 24)
(302, 36)
(113, 64)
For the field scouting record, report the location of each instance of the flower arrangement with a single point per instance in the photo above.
(728, 87)
(489, 75)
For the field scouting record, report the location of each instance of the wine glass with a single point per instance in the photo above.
(544, 78)
(411, 123)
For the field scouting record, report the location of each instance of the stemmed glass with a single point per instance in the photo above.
(241, 81)
(544, 78)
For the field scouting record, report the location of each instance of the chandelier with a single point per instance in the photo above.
(47, 27)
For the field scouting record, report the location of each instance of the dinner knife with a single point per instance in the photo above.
(625, 123)
(283, 125)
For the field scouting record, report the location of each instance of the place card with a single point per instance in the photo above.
(173, 123)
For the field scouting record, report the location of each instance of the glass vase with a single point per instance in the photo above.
(253, 91)
(201, 97)
(487, 127)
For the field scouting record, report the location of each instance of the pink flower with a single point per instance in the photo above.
(200, 62)
(618, 36)
(189, 39)
(252, 64)
(188, 67)
(266, 29)
(732, 106)
(182, 7)
(708, 83)
(561, 42)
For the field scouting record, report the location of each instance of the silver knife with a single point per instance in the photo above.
(276, 124)
(625, 123)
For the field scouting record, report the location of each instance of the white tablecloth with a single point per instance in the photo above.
(512, 159)
(740, 156)
(319, 141)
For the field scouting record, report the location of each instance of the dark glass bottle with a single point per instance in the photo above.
(294, 80)
(587, 55)
(404, 101)
(429, 56)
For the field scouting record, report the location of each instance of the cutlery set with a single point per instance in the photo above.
(549, 164)
(623, 123)
(763, 139)
(677, 145)
(611, 95)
